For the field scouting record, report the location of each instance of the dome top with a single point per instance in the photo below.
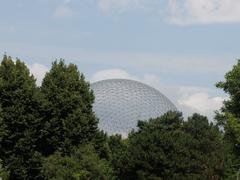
(120, 103)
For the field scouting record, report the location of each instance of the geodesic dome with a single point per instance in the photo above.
(120, 103)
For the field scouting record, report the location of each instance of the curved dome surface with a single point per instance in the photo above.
(120, 103)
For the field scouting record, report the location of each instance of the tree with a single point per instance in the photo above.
(231, 86)
(69, 119)
(169, 148)
(206, 148)
(84, 163)
(153, 149)
(228, 118)
(101, 146)
(118, 149)
(20, 120)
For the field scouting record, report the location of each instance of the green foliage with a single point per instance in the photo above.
(231, 86)
(100, 143)
(118, 149)
(70, 120)
(84, 163)
(169, 148)
(229, 116)
(206, 148)
(4, 174)
(55, 117)
(20, 120)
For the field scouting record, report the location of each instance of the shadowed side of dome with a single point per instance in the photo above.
(120, 103)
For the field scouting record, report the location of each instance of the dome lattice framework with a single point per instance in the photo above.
(120, 103)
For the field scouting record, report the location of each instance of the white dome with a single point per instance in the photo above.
(120, 103)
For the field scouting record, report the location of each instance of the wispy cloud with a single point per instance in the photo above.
(184, 12)
(181, 12)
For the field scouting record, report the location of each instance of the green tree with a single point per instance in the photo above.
(231, 86)
(207, 149)
(83, 164)
(152, 149)
(20, 120)
(69, 119)
(100, 143)
(118, 149)
(169, 148)
(228, 118)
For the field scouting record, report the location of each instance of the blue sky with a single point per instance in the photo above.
(181, 47)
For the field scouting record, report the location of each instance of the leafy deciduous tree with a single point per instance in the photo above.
(229, 116)
(20, 120)
(118, 149)
(70, 120)
(169, 148)
(84, 163)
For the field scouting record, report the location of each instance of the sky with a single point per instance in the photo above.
(180, 47)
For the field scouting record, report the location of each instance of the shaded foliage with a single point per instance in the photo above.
(20, 122)
(169, 148)
(69, 119)
(36, 121)
(84, 163)
(4, 174)
(101, 146)
(118, 149)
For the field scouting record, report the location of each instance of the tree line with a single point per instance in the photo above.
(51, 132)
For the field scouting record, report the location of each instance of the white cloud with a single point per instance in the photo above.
(63, 11)
(39, 71)
(199, 99)
(184, 12)
(111, 74)
(201, 102)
